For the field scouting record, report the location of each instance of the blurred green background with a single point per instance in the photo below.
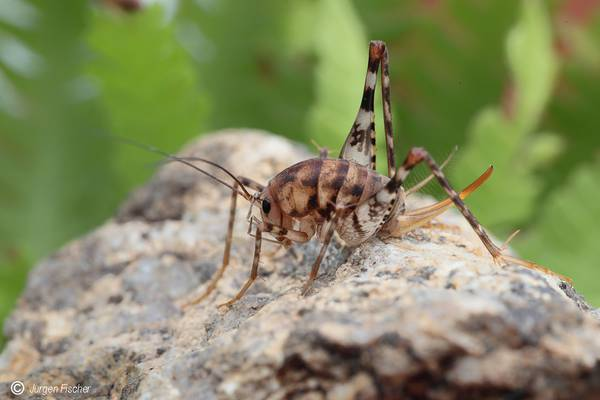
(512, 83)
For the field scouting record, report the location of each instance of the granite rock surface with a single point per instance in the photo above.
(425, 316)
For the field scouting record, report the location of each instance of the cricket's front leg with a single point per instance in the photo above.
(228, 239)
(285, 235)
(226, 254)
(253, 271)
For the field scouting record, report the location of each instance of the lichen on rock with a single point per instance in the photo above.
(426, 316)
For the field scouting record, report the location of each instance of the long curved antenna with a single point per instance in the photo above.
(244, 193)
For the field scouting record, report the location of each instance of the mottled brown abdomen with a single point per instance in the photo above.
(312, 188)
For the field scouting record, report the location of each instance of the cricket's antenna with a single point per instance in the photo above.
(244, 193)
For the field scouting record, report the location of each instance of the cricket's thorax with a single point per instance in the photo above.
(314, 188)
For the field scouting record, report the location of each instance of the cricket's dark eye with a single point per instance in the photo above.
(266, 206)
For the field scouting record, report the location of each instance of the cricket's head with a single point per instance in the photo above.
(269, 208)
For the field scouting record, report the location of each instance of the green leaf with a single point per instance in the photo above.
(543, 149)
(573, 110)
(53, 171)
(148, 85)
(258, 73)
(504, 136)
(56, 170)
(342, 52)
(533, 64)
(565, 238)
(13, 274)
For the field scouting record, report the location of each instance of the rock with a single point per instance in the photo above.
(426, 316)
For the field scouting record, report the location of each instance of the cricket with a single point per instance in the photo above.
(345, 195)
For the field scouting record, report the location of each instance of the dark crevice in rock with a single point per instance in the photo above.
(161, 200)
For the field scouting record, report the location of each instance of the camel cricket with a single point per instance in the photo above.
(345, 195)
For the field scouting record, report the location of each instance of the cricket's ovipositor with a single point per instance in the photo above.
(345, 195)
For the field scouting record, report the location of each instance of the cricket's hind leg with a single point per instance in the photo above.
(417, 155)
(387, 111)
(412, 219)
(360, 144)
(421, 184)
